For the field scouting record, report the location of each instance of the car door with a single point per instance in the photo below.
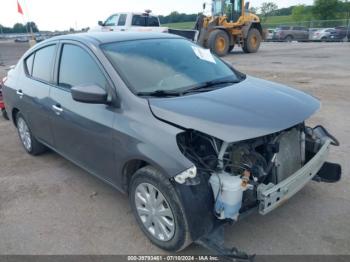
(34, 91)
(121, 25)
(296, 32)
(82, 131)
(305, 33)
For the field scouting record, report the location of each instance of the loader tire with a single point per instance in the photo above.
(219, 42)
(252, 42)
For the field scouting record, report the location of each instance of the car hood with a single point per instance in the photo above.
(249, 109)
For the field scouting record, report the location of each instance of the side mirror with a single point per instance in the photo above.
(246, 6)
(92, 94)
(100, 23)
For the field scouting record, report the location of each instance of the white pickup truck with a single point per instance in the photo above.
(139, 22)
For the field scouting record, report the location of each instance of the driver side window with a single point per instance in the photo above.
(112, 20)
(77, 67)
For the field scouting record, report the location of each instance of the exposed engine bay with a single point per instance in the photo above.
(238, 172)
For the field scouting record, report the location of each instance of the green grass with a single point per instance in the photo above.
(279, 19)
(181, 25)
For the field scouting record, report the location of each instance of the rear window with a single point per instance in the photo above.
(43, 61)
(140, 20)
(298, 28)
(283, 28)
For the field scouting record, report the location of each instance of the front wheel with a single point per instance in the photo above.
(219, 42)
(252, 42)
(158, 210)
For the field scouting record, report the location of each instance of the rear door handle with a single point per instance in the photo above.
(20, 93)
(58, 109)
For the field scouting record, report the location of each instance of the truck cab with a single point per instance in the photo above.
(128, 21)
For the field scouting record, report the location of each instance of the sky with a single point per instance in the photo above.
(64, 14)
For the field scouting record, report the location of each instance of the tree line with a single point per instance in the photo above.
(19, 28)
(321, 9)
(176, 17)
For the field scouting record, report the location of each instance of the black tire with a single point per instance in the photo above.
(4, 114)
(150, 175)
(252, 42)
(36, 148)
(219, 42)
(289, 38)
(323, 39)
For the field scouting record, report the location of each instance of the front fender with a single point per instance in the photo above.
(198, 202)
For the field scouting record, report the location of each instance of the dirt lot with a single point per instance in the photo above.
(50, 206)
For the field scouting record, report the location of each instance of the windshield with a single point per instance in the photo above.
(165, 64)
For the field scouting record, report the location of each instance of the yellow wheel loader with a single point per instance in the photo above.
(229, 24)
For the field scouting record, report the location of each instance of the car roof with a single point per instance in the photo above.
(108, 37)
(134, 13)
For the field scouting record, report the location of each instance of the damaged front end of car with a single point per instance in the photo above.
(254, 174)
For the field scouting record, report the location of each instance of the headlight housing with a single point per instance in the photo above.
(189, 173)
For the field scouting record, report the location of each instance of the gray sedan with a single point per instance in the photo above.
(192, 141)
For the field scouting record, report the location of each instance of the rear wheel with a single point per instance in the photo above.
(158, 210)
(29, 142)
(289, 38)
(219, 42)
(252, 42)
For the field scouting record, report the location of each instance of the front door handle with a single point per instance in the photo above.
(58, 109)
(20, 93)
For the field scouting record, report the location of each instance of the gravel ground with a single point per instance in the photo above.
(50, 206)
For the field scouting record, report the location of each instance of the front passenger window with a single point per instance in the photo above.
(77, 67)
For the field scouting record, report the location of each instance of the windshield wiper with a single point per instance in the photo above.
(206, 86)
(209, 85)
(159, 93)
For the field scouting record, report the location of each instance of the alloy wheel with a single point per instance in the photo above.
(24, 134)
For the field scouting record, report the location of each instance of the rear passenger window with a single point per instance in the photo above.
(122, 19)
(77, 67)
(43, 61)
(29, 64)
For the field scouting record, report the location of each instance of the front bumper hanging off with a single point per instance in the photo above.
(271, 196)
